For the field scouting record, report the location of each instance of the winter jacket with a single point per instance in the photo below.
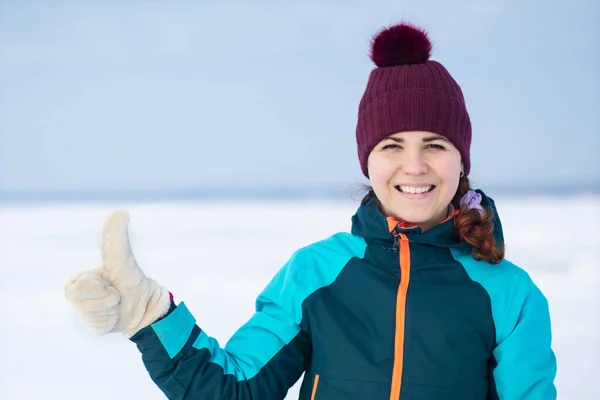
(383, 312)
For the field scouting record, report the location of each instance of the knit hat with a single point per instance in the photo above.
(409, 92)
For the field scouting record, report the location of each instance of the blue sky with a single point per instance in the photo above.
(181, 94)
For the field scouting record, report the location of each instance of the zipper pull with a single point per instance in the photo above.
(396, 241)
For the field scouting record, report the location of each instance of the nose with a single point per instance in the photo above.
(414, 163)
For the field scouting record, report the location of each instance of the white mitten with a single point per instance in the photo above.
(117, 297)
(95, 301)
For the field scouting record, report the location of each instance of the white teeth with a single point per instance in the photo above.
(413, 189)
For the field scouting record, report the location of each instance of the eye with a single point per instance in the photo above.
(435, 146)
(391, 146)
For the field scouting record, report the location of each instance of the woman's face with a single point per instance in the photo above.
(415, 175)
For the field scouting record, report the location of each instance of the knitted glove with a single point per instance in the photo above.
(117, 297)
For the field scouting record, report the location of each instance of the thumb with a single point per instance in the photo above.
(118, 260)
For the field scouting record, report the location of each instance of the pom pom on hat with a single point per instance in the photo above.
(401, 44)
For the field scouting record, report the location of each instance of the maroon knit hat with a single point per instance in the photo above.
(409, 92)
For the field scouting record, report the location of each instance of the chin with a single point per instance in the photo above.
(413, 218)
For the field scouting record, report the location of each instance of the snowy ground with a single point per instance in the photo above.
(218, 256)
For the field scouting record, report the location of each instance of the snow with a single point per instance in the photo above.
(217, 256)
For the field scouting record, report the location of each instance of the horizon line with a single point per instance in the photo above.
(276, 192)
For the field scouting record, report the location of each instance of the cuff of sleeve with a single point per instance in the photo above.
(174, 329)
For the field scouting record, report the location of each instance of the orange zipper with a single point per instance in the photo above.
(315, 384)
(404, 259)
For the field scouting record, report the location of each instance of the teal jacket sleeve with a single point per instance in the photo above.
(526, 364)
(262, 360)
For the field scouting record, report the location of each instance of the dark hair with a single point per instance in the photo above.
(473, 228)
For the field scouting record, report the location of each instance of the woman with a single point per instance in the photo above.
(416, 302)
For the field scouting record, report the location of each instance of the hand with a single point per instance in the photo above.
(117, 297)
(95, 300)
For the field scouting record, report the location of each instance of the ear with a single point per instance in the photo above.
(368, 166)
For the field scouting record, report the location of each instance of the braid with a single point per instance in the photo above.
(475, 229)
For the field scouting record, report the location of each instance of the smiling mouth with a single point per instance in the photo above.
(415, 189)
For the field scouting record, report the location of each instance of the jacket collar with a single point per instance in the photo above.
(374, 227)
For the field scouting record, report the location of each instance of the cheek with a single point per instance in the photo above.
(380, 172)
(381, 177)
(449, 170)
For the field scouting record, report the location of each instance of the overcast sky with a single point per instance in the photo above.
(181, 94)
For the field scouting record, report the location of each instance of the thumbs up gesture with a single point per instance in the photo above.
(117, 297)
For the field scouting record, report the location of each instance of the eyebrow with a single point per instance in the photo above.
(432, 138)
(425, 139)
